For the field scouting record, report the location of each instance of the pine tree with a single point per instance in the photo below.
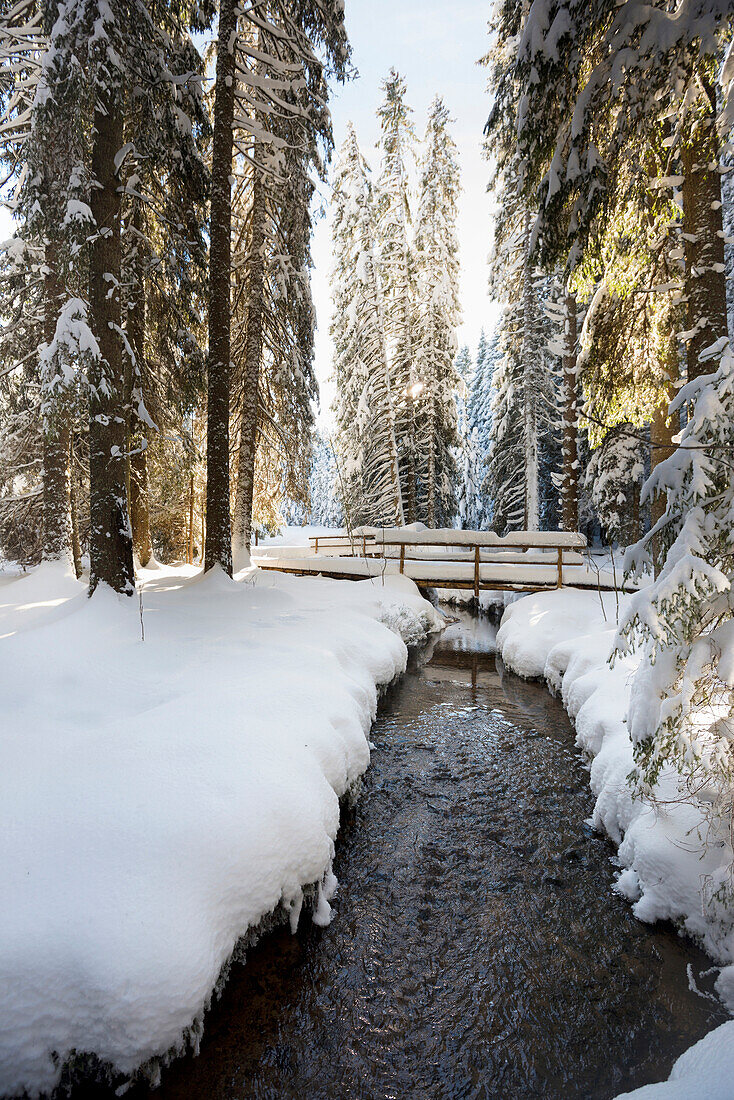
(282, 106)
(613, 478)
(682, 707)
(96, 55)
(218, 548)
(525, 414)
(481, 399)
(325, 497)
(398, 275)
(366, 439)
(570, 471)
(465, 454)
(437, 313)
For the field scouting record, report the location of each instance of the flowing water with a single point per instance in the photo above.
(477, 948)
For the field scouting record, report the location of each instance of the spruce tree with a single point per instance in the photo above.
(281, 107)
(366, 438)
(218, 548)
(398, 275)
(437, 313)
(480, 414)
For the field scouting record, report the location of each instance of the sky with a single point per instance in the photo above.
(435, 47)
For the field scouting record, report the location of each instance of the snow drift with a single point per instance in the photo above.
(669, 860)
(160, 797)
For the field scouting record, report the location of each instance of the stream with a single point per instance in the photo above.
(477, 949)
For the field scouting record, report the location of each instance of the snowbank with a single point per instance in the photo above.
(160, 797)
(567, 637)
(704, 1072)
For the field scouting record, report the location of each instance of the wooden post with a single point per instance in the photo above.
(256, 535)
(364, 546)
(476, 574)
(402, 557)
(560, 567)
(316, 545)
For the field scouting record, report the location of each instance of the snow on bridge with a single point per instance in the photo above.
(523, 561)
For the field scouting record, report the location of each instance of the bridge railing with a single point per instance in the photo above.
(449, 545)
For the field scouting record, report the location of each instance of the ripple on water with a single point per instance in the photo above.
(477, 949)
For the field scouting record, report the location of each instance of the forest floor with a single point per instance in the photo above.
(669, 856)
(172, 773)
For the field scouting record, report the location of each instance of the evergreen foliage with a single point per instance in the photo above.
(366, 436)
(437, 314)
(614, 120)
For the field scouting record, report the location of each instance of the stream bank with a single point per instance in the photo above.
(477, 948)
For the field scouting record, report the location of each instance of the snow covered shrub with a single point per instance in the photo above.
(682, 707)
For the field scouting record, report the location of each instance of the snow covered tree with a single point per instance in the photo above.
(366, 438)
(639, 94)
(398, 275)
(482, 393)
(465, 451)
(437, 313)
(613, 478)
(282, 109)
(94, 57)
(325, 496)
(525, 414)
(570, 470)
(683, 703)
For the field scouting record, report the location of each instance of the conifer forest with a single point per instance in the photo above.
(437, 299)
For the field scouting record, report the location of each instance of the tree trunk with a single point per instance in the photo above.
(411, 502)
(110, 543)
(431, 460)
(74, 508)
(570, 492)
(399, 514)
(139, 510)
(254, 290)
(190, 545)
(57, 537)
(530, 409)
(661, 442)
(218, 527)
(703, 234)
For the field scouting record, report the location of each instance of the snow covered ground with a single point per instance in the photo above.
(667, 871)
(704, 1072)
(159, 797)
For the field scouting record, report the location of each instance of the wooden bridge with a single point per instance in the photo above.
(523, 561)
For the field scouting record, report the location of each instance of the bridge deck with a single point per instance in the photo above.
(479, 561)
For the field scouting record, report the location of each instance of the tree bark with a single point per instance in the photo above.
(254, 290)
(218, 526)
(110, 543)
(190, 544)
(76, 548)
(431, 456)
(411, 502)
(570, 492)
(530, 410)
(703, 234)
(662, 431)
(57, 533)
(139, 509)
